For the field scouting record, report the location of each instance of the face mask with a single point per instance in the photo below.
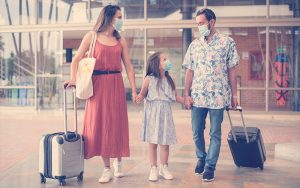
(118, 24)
(168, 65)
(203, 30)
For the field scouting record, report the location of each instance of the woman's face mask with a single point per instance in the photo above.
(118, 24)
(203, 30)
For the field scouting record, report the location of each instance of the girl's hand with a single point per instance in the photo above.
(139, 99)
(188, 101)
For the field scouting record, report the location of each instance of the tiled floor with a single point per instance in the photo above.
(20, 133)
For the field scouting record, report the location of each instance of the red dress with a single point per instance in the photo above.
(105, 128)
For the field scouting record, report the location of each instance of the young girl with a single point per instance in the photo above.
(159, 92)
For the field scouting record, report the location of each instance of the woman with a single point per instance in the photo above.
(105, 129)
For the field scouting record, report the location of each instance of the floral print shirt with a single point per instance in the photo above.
(210, 63)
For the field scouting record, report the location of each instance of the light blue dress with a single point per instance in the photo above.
(157, 125)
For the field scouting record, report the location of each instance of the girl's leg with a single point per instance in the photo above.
(164, 154)
(153, 161)
(107, 173)
(163, 168)
(153, 154)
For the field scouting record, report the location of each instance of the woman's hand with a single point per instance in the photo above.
(134, 95)
(70, 83)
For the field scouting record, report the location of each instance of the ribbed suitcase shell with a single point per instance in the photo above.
(245, 154)
(61, 156)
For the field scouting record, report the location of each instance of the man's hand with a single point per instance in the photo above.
(234, 102)
(188, 101)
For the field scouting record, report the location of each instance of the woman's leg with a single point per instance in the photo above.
(117, 164)
(153, 154)
(106, 162)
(107, 173)
(119, 159)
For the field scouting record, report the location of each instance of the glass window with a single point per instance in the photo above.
(283, 8)
(17, 97)
(238, 8)
(251, 46)
(254, 100)
(172, 10)
(10, 14)
(61, 11)
(17, 56)
(49, 69)
(285, 63)
(135, 42)
(131, 9)
(168, 41)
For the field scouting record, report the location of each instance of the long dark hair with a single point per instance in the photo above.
(106, 18)
(153, 69)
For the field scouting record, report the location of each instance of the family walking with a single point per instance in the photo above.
(209, 87)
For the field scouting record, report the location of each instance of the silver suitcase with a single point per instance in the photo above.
(61, 154)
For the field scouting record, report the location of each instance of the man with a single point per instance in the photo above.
(210, 74)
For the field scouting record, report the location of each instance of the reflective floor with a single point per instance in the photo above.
(21, 131)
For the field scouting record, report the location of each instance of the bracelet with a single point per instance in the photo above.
(235, 97)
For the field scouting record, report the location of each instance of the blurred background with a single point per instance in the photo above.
(38, 39)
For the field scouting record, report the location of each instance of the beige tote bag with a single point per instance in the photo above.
(84, 84)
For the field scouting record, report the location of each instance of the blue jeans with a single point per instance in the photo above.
(198, 125)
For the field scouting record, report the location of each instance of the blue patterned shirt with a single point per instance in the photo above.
(210, 63)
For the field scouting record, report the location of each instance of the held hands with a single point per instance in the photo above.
(188, 101)
(139, 99)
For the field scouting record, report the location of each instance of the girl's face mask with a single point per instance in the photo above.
(168, 65)
(118, 24)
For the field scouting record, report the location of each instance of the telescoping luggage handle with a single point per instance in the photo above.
(240, 109)
(65, 108)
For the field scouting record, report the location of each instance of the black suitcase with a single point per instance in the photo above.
(246, 144)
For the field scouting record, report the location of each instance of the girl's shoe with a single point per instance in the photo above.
(153, 174)
(106, 176)
(164, 172)
(118, 169)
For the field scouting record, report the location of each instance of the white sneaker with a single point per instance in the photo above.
(153, 174)
(106, 176)
(164, 172)
(118, 169)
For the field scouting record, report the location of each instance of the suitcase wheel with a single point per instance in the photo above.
(80, 177)
(43, 179)
(261, 167)
(62, 182)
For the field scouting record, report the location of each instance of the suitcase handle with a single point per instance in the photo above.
(240, 109)
(65, 108)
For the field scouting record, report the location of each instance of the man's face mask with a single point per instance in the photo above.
(118, 24)
(204, 30)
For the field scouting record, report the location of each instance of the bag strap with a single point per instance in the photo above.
(92, 45)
